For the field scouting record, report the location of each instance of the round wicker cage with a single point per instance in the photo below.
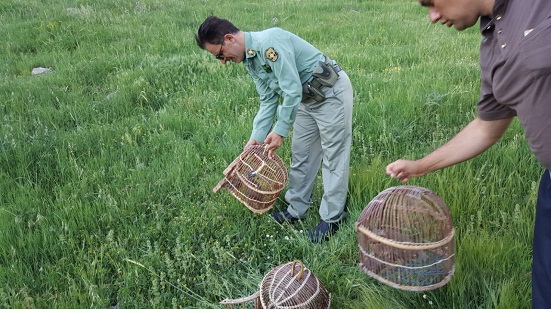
(292, 285)
(255, 179)
(405, 236)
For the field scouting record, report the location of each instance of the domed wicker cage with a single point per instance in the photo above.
(405, 236)
(290, 285)
(255, 179)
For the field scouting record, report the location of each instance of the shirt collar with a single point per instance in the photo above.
(250, 46)
(488, 22)
(500, 6)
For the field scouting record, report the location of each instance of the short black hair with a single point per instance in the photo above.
(213, 30)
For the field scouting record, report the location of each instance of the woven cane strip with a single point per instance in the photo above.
(407, 279)
(262, 206)
(251, 185)
(440, 261)
(273, 185)
(230, 302)
(244, 198)
(407, 245)
(410, 288)
(244, 195)
(251, 203)
(266, 196)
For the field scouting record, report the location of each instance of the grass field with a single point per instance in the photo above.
(107, 162)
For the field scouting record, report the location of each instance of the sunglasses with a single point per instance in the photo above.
(219, 56)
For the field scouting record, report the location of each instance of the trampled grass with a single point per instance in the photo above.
(108, 161)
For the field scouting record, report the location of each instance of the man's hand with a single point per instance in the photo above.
(250, 143)
(403, 170)
(273, 141)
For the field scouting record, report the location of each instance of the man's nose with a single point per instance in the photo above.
(434, 15)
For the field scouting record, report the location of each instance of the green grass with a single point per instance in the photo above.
(107, 164)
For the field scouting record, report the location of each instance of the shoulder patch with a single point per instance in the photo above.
(271, 54)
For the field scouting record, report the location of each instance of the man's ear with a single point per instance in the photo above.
(229, 37)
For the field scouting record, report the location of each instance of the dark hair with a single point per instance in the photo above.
(213, 30)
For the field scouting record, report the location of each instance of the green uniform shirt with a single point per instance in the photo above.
(279, 62)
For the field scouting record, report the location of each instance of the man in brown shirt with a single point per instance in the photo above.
(515, 61)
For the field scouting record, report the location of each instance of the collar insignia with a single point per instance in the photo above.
(250, 52)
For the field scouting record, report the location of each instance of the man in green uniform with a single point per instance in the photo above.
(316, 100)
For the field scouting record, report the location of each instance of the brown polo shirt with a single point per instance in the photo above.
(515, 59)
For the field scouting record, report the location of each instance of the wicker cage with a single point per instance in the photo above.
(255, 179)
(405, 236)
(290, 285)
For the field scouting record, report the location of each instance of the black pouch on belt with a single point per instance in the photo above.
(312, 92)
(325, 74)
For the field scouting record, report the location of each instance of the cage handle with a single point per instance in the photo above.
(301, 271)
(406, 245)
